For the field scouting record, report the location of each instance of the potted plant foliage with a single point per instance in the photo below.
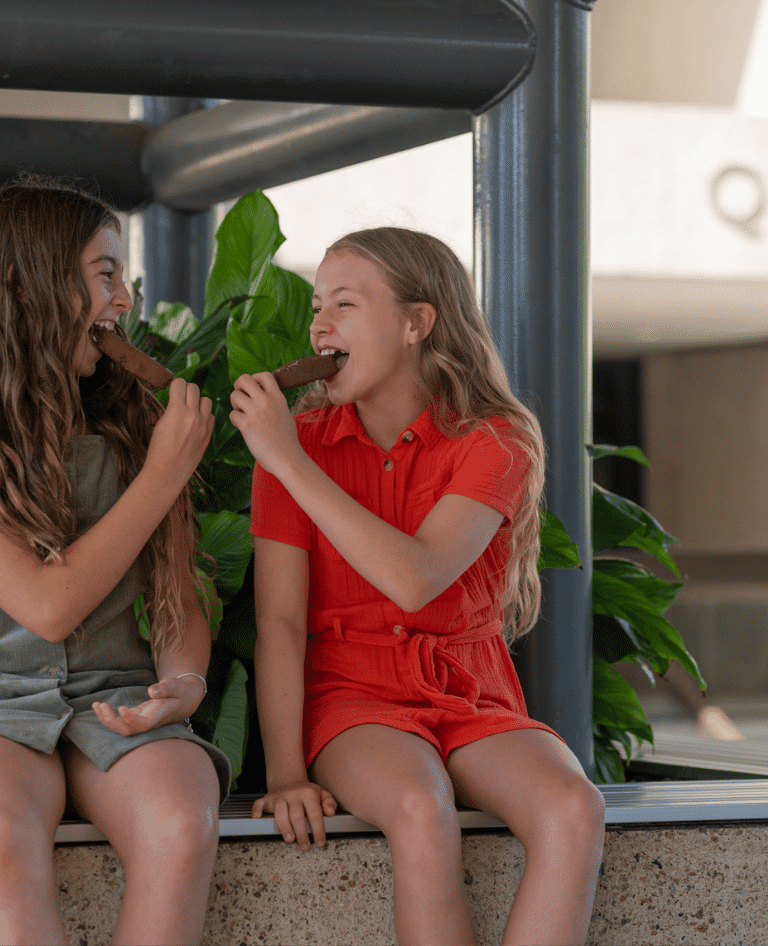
(256, 317)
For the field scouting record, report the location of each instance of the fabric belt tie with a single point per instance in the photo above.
(429, 661)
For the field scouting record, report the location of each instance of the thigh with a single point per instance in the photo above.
(158, 786)
(374, 771)
(520, 777)
(32, 787)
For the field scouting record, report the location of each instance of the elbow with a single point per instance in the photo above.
(414, 595)
(51, 625)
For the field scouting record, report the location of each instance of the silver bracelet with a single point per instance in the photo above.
(191, 673)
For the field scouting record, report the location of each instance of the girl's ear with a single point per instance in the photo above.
(421, 319)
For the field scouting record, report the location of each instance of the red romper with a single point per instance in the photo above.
(442, 672)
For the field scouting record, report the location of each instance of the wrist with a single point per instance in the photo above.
(196, 676)
(285, 777)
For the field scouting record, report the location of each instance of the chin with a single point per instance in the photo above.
(85, 371)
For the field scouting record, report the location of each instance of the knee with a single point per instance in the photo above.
(575, 814)
(181, 832)
(423, 819)
(22, 840)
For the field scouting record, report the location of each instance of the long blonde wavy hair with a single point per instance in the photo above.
(463, 380)
(44, 228)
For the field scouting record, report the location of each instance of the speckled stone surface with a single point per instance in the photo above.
(679, 885)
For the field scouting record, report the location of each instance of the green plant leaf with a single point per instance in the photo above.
(617, 521)
(173, 321)
(246, 241)
(614, 639)
(239, 630)
(225, 537)
(631, 453)
(293, 315)
(660, 592)
(615, 703)
(250, 352)
(131, 320)
(231, 732)
(557, 549)
(609, 764)
(618, 596)
(210, 602)
(205, 341)
(140, 613)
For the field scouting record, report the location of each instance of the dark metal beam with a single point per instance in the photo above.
(104, 154)
(221, 153)
(453, 54)
(532, 259)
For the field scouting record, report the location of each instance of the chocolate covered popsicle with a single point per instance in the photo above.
(305, 370)
(127, 356)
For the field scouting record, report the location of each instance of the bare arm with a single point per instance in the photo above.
(172, 699)
(52, 599)
(409, 570)
(281, 588)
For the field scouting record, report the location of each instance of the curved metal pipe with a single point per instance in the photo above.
(453, 54)
(221, 153)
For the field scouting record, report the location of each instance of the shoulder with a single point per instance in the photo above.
(494, 437)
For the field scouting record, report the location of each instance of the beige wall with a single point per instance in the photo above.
(705, 418)
(686, 51)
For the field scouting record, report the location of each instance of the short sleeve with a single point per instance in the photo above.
(275, 514)
(492, 469)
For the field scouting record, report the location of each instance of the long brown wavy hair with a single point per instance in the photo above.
(44, 228)
(463, 380)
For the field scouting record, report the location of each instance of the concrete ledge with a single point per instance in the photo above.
(695, 876)
(688, 884)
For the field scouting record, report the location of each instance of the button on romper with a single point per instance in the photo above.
(443, 672)
(46, 689)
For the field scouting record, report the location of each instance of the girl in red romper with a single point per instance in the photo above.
(395, 521)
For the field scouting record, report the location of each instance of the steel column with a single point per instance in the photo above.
(532, 266)
(177, 246)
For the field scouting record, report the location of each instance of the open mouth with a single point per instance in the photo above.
(105, 325)
(341, 357)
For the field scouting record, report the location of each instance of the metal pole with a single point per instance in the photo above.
(532, 265)
(176, 246)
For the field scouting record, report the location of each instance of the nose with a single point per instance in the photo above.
(320, 324)
(122, 297)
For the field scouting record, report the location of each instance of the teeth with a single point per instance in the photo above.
(106, 324)
(333, 351)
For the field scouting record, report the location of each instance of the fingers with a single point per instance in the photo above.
(188, 393)
(131, 720)
(298, 812)
(261, 381)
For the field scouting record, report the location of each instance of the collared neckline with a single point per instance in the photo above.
(344, 422)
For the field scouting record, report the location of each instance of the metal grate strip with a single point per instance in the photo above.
(633, 803)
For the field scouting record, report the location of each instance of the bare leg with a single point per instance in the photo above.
(31, 805)
(158, 806)
(396, 781)
(534, 784)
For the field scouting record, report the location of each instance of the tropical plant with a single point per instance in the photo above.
(257, 317)
(628, 606)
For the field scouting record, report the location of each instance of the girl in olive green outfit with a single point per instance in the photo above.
(94, 509)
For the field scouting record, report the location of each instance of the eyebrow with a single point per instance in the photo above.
(335, 292)
(106, 259)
